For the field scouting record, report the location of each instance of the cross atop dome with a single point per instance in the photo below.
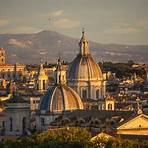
(83, 32)
(84, 44)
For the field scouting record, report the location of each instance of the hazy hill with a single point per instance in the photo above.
(46, 46)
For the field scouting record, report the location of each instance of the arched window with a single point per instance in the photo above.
(44, 85)
(42, 122)
(24, 125)
(10, 126)
(59, 78)
(63, 78)
(97, 93)
(37, 86)
(84, 94)
(109, 106)
(2, 75)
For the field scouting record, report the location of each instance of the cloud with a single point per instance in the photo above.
(117, 53)
(19, 43)
(123, 28)
(143, 24)
(126, 28)
(20, 29)
(57, 13)
(66, 23)
(3, 22)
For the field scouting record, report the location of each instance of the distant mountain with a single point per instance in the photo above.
(47, 45)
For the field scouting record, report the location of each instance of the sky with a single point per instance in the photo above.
(105, 21)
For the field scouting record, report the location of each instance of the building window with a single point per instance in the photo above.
(10, 120)
(42, 122)
(84, 94)
(37, 101)
(44, 85)
(3, 124)
(8, 74)
(139, 126)
(63, 78)
(109, 106)
(3, 75)
(97, 94)
(37, 86)
(59, 81)
(24, 125)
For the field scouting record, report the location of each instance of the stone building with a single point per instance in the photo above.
(10, 71)
(136, 126)
(17, 115)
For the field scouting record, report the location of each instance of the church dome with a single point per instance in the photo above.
(83, 67)
(60, 97)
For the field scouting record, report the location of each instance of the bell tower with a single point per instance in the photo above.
(42, 79)
(60, 74)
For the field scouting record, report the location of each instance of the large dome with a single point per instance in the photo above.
(60, 98)
(83, 67)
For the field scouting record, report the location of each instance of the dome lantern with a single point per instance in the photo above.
(84, 44)
(42, 79)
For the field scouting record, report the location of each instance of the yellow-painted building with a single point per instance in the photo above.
(136, 126)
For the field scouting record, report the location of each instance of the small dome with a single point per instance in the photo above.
(60, 98)
(83, 67)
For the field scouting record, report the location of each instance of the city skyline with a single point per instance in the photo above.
(114, 21)
(73, 73)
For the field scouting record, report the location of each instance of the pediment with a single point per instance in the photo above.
(140, 121)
